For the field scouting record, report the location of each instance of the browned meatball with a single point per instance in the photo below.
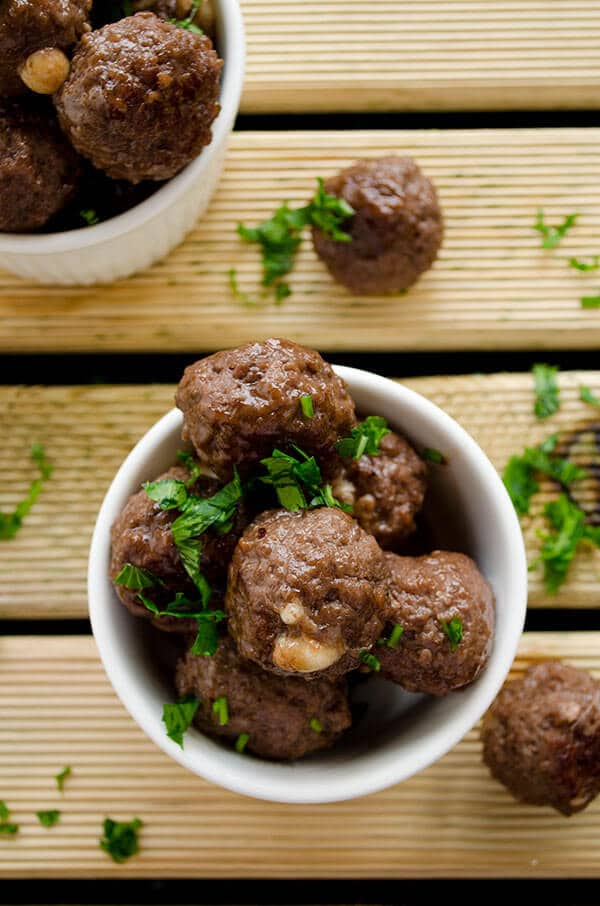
(426, 595)
(141, 97)
(306, 592)
(142, 536)
(541, 737)
(30, 25)
(39, 171)
(241, 403)
(284, 717)
(396, 231)
(386, 491)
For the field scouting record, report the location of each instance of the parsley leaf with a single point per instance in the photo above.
(206, 641)
(90, 216)
(234, 285)
(590, 301)
(188, 23)
(134, 577)
(395, 636)
(547, 399)
(560, 546)
(370, 660)
(220, 707)
(10, 523)
(454, 630)
(551, 236)
(49, 818)
(365, 438)
(178, 717)
(586, 396)
(306, 404)
(584, 266)
(120, 839)
(183, 608)
(430, 454)
(519, 474)
(297, 481)
(241, 742)
(5, 825)
(191, 465)
(61, 777)
(315, 725)
(168, 493)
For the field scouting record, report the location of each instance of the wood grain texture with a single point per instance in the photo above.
(349, 55)
(492, 287)
(57, 708)
(88, 431)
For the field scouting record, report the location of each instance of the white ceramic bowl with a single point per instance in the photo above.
(147, 232)
(401, 734)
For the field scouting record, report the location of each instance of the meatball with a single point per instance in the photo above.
(39, 171)
(27, 26)
(241, 403)
(396, 230)
(306, 592)
(446, 611)
(284, 717)
(386, 491)
(141, 97)
(142, 536)
(541, 737)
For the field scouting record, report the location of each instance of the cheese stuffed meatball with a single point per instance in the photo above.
(306, 592)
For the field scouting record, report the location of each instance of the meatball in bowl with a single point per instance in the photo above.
(330, 657)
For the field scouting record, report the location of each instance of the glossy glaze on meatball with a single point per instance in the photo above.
(142, 536)
(426, 595)
(39, 171)
(386, 491)
(306, 592)
(284, 717)
(541, 737)
(141, 97)
(396, 230)
(30, 25)
(241, 403)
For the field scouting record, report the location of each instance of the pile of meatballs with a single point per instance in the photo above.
(97, 106)
(314, 597)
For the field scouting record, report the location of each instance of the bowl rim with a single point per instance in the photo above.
(232, 26)
(280, 788)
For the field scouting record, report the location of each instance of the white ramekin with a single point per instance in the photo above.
(401, 734)
(125, 244)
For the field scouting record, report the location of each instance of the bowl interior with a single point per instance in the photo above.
(395, 733)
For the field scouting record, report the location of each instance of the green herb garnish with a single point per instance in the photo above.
(395, 636)
(297, 481)
(519, 474)
(585, 266)
(586, 396)
(168, 493)
(560, 546)
(134, 577)
(49, 818)
(90, 216)
(234, 285)
(183, 608)
(191, 465)
(178, 717)
(547, 399)
(10, 523)
(120, 838)
(221, 709)
(5, 824)
(365, 438)
(590, 301)
(315, 725)
(306, 404)
(432, 455)
(370, 660)
(61, 777)
(551, 236)
(454, 630)
(241, 742)
(188, 23)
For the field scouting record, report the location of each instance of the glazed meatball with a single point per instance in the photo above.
(284, 717)
(141, 97)
(385, 491)
(27, 26)
(39, 171)
(142, 536)
(426, 595)
(541, 737)
(241, 403)
(396, 230)
(306, 592)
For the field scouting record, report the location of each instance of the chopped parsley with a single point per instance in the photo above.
(365, 438)
(178, 717)
(551, 236)
(586, 396)
(136, 578)
(10, 523)
(315, 725)
(585, 266)
(234, 285)
(89, 216)
(547, 398)
(560, 545)
(519, 474)
(430, 454)
(49, 818)
(281, 235)
(61, 777)
(221, 709)
(182, 608)
(120, 838)
(168, 493)
(454, 630)
(188, 23)
(297, 481)
(241, 742)
(6, 827)
(306, 404)
(191, 465)
(395, 636)
(590, 301)
(370, 660)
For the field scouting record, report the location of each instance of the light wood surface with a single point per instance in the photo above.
(349, 55)
(87, 432)
(493, 286)
(452, 820)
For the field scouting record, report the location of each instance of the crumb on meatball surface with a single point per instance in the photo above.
(426, 594)
(396, 230)
(276, 712)
(541, 737)
(306, 592)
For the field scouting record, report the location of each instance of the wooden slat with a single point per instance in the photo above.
(452, 820)
(493, 286)
(87, 432)
(351, 55)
